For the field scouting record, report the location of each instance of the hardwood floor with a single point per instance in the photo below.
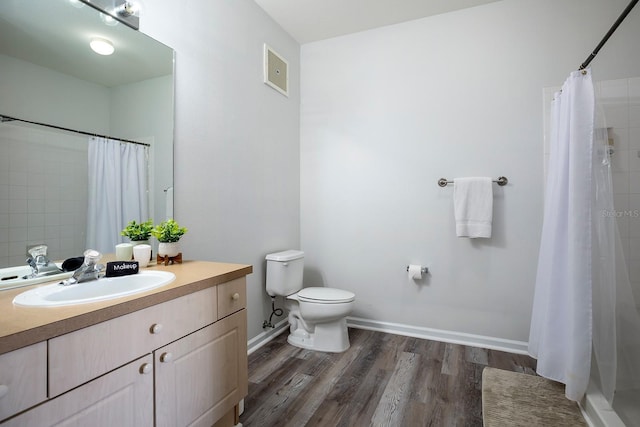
(381, 380)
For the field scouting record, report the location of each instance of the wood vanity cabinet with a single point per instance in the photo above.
(181, 362)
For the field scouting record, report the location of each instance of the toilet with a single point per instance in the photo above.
(317, 315)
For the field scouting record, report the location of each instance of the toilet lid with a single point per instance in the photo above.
(325, 295)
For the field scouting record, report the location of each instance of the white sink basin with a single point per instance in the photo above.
(12, 277)
(56, 295)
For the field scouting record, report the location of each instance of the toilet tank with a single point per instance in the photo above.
(284, 272)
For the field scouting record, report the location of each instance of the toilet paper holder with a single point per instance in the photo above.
(423, 270)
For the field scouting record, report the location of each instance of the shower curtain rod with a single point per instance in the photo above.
(4, 118)
(613, 28)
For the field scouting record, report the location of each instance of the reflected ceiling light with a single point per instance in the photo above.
(108, 19)
(102, 46)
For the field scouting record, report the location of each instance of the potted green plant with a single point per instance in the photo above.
(138, 232)
(168, 234)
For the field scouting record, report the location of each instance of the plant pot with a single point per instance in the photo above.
(142, 242)
(170, 249)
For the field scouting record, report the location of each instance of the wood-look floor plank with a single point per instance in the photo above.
(477, 355)
(415, 414)
(326, 383)
(280, 375)
(426, 381)
(270, 411)
(510, 362)
(393, 347)
(452, 359)
(365, 402)
(382, 379)
(268, 360)
(391, 407)
(367, 357)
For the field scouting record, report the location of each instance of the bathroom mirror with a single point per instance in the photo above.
(49, 74)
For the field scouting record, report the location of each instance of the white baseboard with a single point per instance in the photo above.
(261, 339)
(511, 346)
(518, 347)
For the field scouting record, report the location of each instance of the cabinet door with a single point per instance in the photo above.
(122, 398)
(203, 375)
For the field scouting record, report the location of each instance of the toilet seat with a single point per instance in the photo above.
(321, 295)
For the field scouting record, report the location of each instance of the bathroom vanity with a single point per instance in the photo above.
(173, 356)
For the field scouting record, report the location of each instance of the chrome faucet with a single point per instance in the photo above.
(90, 269)
(40, 264)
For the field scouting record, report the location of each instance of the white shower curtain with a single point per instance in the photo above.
(118, 190)
(561, 324)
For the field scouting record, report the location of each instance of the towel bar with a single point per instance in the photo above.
(502, 180)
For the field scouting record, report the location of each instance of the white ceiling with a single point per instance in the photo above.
(312, 20)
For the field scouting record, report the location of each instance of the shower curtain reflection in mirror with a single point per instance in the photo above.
(118, 190)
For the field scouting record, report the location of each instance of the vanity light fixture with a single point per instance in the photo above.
(102, 46)
(127, 9)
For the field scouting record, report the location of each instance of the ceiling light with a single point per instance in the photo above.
(102, 46)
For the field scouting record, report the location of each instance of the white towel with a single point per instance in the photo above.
(473, 206)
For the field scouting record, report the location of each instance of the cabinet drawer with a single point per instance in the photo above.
(23, 379)
(80, 356)
(232, 296)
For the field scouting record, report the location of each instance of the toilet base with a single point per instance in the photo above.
(331, 337)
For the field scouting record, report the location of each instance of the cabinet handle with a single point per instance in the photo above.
(166, 357)
(3, 390)
(155, 328)
(146, 368)
(235, 296)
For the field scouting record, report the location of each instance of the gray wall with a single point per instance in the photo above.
(236, 159)
(385, 113)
